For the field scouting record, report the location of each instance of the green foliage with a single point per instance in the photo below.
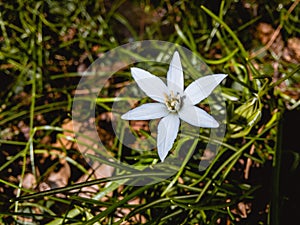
(45, 45)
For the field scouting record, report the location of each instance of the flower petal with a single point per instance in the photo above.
(175, 75)
(153, 86)
(166, 134)
(197, 117)
(146, 111)
(202, 87)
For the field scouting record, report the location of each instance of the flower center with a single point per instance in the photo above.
(173, 102)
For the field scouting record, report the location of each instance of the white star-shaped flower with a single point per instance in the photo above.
(173, 102)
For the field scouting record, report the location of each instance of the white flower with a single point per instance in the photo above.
(173, 102)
